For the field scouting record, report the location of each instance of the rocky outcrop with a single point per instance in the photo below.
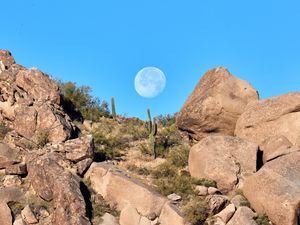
(225, 159)
(51, 181)
(243, 216)
(275, 189)
(31, 101)
(215, 105)
(271, 117)
(8, 156)
(5, 214)
(276, 146)
(142, 207)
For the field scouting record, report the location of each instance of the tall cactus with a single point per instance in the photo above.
(113, 108)
(152, 128)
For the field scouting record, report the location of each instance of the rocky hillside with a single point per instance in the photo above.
(229, 159)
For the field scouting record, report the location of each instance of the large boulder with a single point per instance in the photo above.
(225, 159)
(271, 117)
(106, 180)
(276, 146)
(51, 181)
(275, 189)
(215, 104)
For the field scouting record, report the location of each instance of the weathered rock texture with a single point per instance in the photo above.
(225, 159)
(51, 182)
(271, 117)
(275, 189)
(144, 205)
(243, 216)
(31, 101)
(215, 104)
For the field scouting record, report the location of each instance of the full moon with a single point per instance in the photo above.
(149, 82)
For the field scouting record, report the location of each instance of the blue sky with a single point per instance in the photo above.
(104, 44)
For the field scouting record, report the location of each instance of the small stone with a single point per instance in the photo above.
(83, 165)
(216, 203)
(28, 216)
(202, 190)
(16, 169)
(212, 190)
(174, 197)
(12, 181)
(226, 213)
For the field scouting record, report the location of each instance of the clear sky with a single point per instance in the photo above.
(104, 43)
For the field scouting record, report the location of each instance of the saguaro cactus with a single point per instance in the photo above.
(113, 108)
(152, 128)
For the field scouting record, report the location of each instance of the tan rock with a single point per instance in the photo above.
(238, 200)
(216, 203)
(28, 216)
(25, 122)
(271, 117)
(6, 59)
(243, 216)
(171, 215)
(202, 190)
(11, 194)
(12, 181)
(226, 214)
(275, 189)
(19, 221)
(223, 159)
(212, 190)
(38, 85)
(80, 148)
(215, 104)
(83, 165)
(5, 214)
(108, 219)
(129, 216)
(276, 146)
(8, 156)
(51, 181)
(106, 180)
(215, 221)
(16, 169)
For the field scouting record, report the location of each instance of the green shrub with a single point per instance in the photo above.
(109, 147)
(204, 182)
(78, 102)
(164, 170)
(196, 211)
(262, 219)
(180, 185)
(178, 156)
(165, 120)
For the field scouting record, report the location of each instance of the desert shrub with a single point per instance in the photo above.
(195, 211)
(42, 138)
(134, 128)
(78, 102)
(164, 170)
(138, 170)
(180, 185)
(262, 219)
(109, 147)
(165, 120)
(178, 156)
(204, 182)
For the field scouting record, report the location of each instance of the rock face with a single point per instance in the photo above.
(31, 100)
(276, 146)
(51, 181)
(244, 216)
(271, 117)
(275, 189)
(225, 159)
(5, 214)
(142, 207)
(215, 104)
